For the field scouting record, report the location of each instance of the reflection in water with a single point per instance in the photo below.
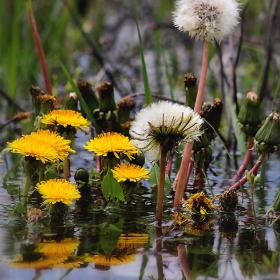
(93, 243)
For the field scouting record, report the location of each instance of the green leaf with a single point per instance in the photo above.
(144, 68)
(111, 187)
(7, 176)
(154, 177)
(109, 236)
(240, 136)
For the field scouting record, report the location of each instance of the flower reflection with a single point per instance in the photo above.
(52, 248)
(117, 259)
(132, 240)
(39, 263)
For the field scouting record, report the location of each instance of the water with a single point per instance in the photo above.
(75, 247)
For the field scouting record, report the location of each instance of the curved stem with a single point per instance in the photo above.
(242, 168)
(161, 183)
(39, 47)
(253, 170)
(182, 178)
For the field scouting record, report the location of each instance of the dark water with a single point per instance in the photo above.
(220, 247)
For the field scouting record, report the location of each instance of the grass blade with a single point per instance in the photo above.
(81, 99)
(144, 68)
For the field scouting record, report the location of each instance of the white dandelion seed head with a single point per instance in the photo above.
(180, 120)
(206, 19)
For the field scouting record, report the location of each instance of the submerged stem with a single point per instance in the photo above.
(182, 178)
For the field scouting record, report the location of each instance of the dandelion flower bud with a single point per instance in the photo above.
(206, 19)
(267, 139)
(250, 115)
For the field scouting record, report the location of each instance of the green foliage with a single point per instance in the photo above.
(111, 188)
(109, 236)
(144, 68)
(81, 99)
(154, 177)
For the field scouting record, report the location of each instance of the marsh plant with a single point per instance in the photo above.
(126, 139)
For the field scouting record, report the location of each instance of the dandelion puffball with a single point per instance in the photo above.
(206, 19)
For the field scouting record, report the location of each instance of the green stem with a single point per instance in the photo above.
(39, 47)
(182, 175)
(66, 169)
(41, 172)
(26, 189)
(161, 183)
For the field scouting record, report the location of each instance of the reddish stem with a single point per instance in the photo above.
(182, 176)
(169, 166)
(247, 158)
(200, 178)
(254, 170)
(98, 164)
(183, 259)
(39, 47)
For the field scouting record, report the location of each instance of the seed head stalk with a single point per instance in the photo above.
(182, 175)
(247, 158)
(39, 47)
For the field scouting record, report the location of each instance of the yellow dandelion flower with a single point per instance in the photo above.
(65, 118)
(132, 240)
(111, 142)
(199, 203)
(111, 260)
(60, 144)
(43, 145)
(58, 190)
(52, 248)
(130, 172)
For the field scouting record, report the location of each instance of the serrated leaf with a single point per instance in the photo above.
(111, 187)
